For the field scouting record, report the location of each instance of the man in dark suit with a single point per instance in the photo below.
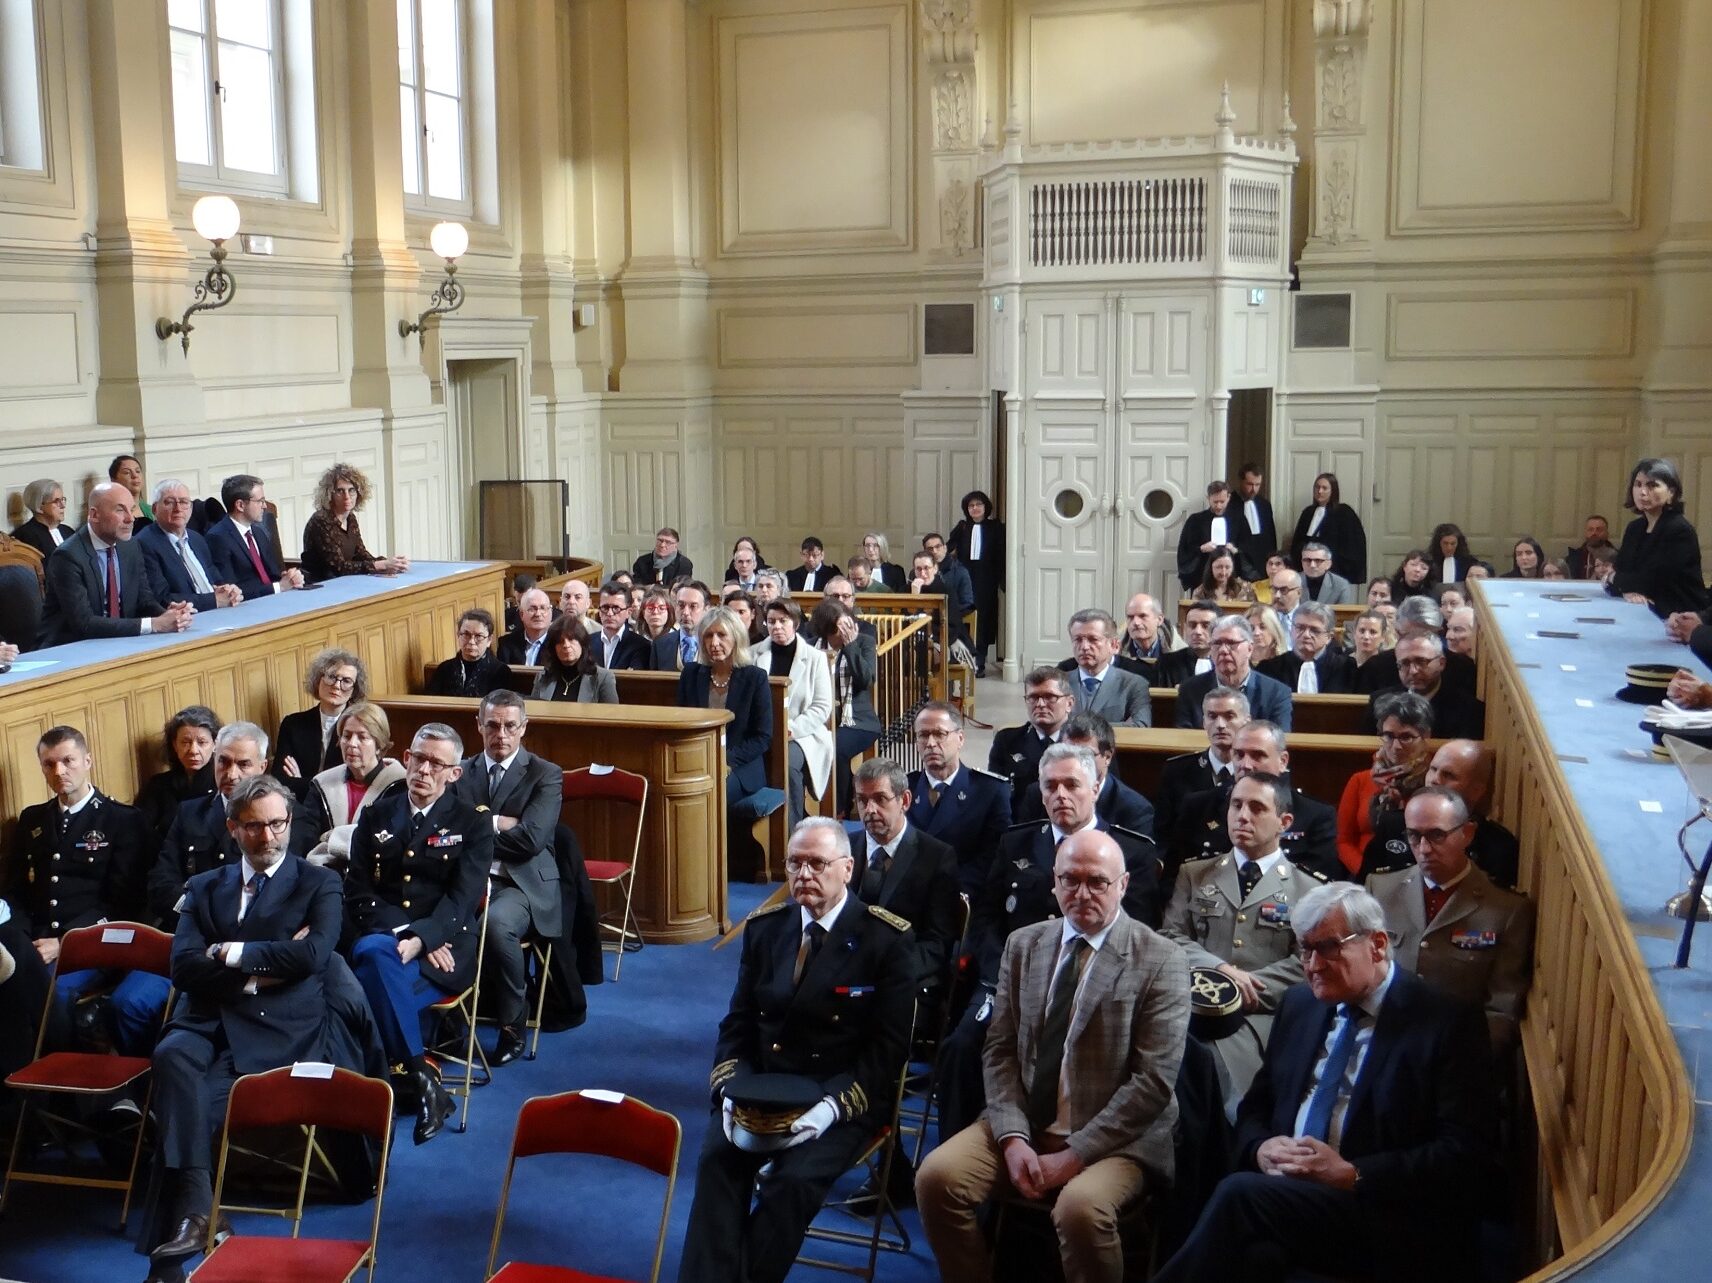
(682, 645)
(965, 808)
(665, 565)
(1223, 713)
(1421, 666)
(616, 645)
(418, 871)
(956, 576)
(1120, 806)
(1359, 1161)
(521, 647)
(900, 868)
(1215, 526)
(178, 559)
(521, 795)
(1258, 538)
(199, 839)
(1016, 750)
(243, 551)
(249, 960)
(97, 584)
(1313, 666)
(824, 990)
(1232, 647)
(812, 575)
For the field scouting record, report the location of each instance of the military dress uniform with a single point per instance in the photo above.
(78, 869)
(970, 815)
(1183, 776)
(196, 842)
(424, 877)
(1479, 947)
(1015, 755)
(1215, 922)
(846, 1025)
(1310, 841)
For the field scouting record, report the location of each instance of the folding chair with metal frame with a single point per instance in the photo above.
(914, 1119)
(577, 1123)
(324, 1096)
(445, 1050)
(876, 1157)
(619, 787)
(108, 946)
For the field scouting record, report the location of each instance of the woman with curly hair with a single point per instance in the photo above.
(332, 543)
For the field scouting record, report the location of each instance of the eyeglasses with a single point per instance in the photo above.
(1316, 561)
(1401, 737)
(812, 863)
(339, 683)
(1416, 663)
(255, 828)
(502, 728)
(1278, 589)
(931, 737)
(1432, 837)
(613, 608)
(1228, 643)
(1310, 630)
(1043, 697)
(467, 634)
(1071, 882)
(1325, 950)
(413, 759)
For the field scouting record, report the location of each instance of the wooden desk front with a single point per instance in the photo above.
(680, 879)
(1320, 765)
(1313, 714)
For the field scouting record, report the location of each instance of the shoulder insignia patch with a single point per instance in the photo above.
(1022, 827)
(481, 808)
(889, 918)
(1202, 859)
(1315, 874)
(765, 909)
(991, 775)
(1130, 833)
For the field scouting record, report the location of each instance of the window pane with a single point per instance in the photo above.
(189, 100)
(184, 13)
(406, 42)
(245, 21)
(445, 147)
(440, 45)
(412, 140)
(246, 109)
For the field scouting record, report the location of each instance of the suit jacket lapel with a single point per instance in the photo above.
(1464, 899)
(1391, 1012)
(903, 858)
(1414, 906)
(1103, 971)
(936, 817)
(509, 781)
(227, 893)
(273, 894)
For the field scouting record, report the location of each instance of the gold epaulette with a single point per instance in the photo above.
(765, 909)
(889, 918)
(481, 808)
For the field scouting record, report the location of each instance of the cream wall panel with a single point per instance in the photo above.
(657, 469)
(871, 334)
(1143, 69)
(1520, 115)
(1533, 323)
(815, 131)
(75, 457)
(41, 353)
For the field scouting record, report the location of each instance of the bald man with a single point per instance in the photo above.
(98, 584)
(1465, 767)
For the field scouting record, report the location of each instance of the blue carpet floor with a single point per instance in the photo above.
(651, 1035)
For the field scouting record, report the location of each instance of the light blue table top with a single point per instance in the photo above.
(1572, 684)
(349, 590)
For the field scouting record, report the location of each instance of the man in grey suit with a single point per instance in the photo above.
(97, 583)
(1099, 685)
(1088, 1031)
(524, 793)
(1320, 582)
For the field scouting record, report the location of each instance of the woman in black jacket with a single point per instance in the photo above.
(46, 501)
(190, 767)
(475, 671)
(978, 541)
(1658, 563)
(1335, 524)
(877, 549)
(306, 745)
(726, 677)
(1450, 557)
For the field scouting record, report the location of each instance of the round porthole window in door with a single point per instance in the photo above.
(1068, 504)
(1158, 504)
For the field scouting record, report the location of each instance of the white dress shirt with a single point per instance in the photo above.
(104, 550)
(1352, 1071)
(198, 574)
(244, 537)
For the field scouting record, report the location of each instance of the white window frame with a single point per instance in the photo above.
(23, 138)
(219, 175)
(421, 202)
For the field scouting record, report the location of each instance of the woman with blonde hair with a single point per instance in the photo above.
(725, 676)
(332, 542)
(1270, 640)
(337, 795)
(878, 551)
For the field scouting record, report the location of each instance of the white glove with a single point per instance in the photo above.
(815, 1123)
(730, 1125)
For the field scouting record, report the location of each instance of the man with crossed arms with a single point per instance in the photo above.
(1081, 1063)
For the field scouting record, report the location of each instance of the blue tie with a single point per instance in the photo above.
(1319, 1118)
(687, 647)
(1091, 685)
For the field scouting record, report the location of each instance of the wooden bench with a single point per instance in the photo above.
(1344, 613)
(1315, 714)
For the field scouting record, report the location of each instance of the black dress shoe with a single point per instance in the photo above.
(191, 1239)
(435, 1106)
(510, 1046)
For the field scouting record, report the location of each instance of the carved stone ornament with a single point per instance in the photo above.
(1340, 89)
(956, 233)
(1337, 202)
(953, 116)
(948, 28)
(1342, 17)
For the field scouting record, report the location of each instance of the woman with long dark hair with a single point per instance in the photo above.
(569, 672)
(1414, 577)
(1334, 523)
(1527, 560)
(1658, 563)
(1448, 553)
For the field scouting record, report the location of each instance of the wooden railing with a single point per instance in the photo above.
(1611, 1102)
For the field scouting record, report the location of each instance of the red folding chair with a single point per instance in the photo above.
(623, 842)
(288, 1097)
(459, 1046)
(574, 1123)
(108, 946)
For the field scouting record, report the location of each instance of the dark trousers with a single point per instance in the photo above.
(193, 1076)
(508, 923)
(398, 993)
(138, 1002)
(728, 1241)
(962, 1091)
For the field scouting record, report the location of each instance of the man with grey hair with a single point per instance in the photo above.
(1416, 617)
(1364, 1148)
(1421, 664)
(179, 563)
(198, 839)
(1149, 649)
(521, 648)
(966, 808)
(1320, 582)
(825, 989)
(1100, 686)
(414, 890)
(1232, 647)
(1465, 767)
(1313, 666)
(769, 586)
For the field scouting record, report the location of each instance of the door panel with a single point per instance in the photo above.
(1161, 471)
(1067, 479)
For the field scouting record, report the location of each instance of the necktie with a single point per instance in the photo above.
(1319, 1118)
(193, 567)
(257, 882)
(874, 877)
(935, 794)
(113, 582)
(1247, 877)
(1091, 685)
(256, 557)
(495, 774)
(418, 820)
(1435, 897)
(812, 939)
(686, 649)
(1049, 1063)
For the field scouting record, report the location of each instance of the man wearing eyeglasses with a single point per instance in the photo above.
(1320, 582)
(1231, 648)
(1465, 768)
(1286, 596)
(1364, 1147)
(179, 562)
(1089, 1022)
(1449, 923)
(244, 545)
(1421, 666)
(1313, 666)
(520, 795)
(617, 645)
(966, 808)
(1016, 751)
(1223, 713)
(250, 960)
(825, 990)
(521, 647)
(1231, 912)
(199, 838)
(414, 890)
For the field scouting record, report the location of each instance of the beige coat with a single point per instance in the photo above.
(335, 844)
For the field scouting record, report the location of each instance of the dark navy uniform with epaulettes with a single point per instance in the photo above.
(1180, 778)
(847, 1027)
(90, 870)
(197, 842)
(1310, 841)
(973, 811)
